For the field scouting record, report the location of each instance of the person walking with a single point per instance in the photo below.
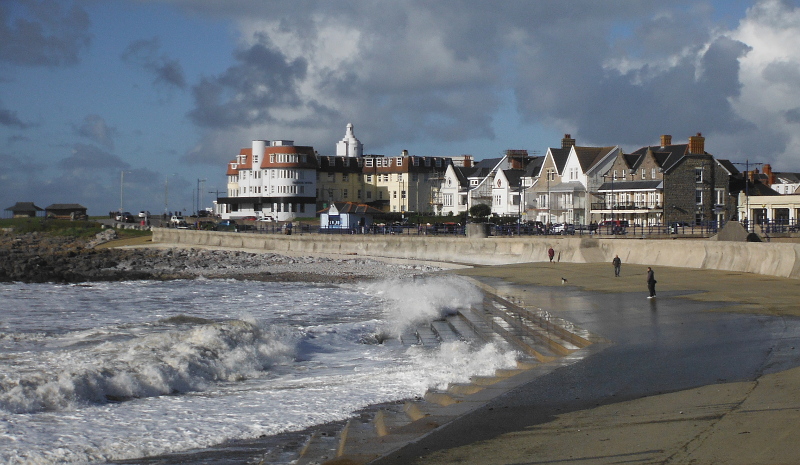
(651, 283)
(551, 253)
(617, 265)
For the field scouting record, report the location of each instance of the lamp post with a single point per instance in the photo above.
(121, 187)
(613, 223)
(746, 188)
(197, 209)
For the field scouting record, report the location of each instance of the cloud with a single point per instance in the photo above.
(167, 71)
(254, 91)
(9, 118)
(90, 158)
(95, 129)
(42, 32)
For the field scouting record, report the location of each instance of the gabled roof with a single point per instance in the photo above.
(560, 157)
(728, 167)
(352, 208)
(666, 156)
(484, 167)
(787, 178)
(534, 167)
(589, 156)
(24, 207)
(513, 176)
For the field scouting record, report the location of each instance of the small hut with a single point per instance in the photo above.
(24, 210)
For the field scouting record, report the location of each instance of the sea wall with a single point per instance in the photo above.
(776, 259)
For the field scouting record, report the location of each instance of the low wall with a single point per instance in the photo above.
(776, 259)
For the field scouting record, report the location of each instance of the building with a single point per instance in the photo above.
(271, 178)
(66, 211)
(399, 184)
(23, 210)
(665, 184)
(347, 216)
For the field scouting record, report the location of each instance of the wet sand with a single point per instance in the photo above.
(705, 373)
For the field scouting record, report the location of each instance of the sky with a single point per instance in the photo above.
(139, 105)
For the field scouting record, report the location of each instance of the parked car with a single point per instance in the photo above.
(249, 218)
(176, 220)
(266, 219)
(226, 225)
(144, 214)
(121, 216)
(563, 228)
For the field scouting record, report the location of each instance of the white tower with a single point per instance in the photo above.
(349, 146)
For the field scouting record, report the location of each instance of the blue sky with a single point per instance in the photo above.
(168, 91)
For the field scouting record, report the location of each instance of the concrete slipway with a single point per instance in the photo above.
(667, 380)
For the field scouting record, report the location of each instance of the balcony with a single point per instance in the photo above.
(630, 207)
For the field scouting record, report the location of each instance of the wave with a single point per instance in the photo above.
(410, 302)
(155, 364)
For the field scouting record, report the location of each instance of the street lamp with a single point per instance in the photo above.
(121, 184)
(197, 209)
(613, 223)
(746, 188)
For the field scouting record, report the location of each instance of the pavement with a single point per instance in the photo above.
(706, 373)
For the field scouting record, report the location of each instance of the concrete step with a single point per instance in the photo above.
(445, 332)
(427, 337)
(318, 449)
(466, 331)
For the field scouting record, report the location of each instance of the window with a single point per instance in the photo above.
(344, 193)
(368, 162)
(414, 177)
(399, 161)
(698, 174)
(369, 195)
(345, 177)
(394, 194)
(721, 196)
(359, 193)
(369, 178)
(644, 173)
(400, 177)
(698, 196)
(615, 175)
(272, 158)
(653, 173)
(402, 194)
(438, 162)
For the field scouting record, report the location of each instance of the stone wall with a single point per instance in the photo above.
(776, 259)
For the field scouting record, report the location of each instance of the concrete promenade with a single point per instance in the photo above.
(774, 259)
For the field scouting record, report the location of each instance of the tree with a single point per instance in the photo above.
(480, 212)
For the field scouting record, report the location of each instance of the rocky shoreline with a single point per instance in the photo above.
(39, 258)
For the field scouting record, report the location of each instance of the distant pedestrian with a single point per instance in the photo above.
(551, 253)
(651, 283)
(617, 265)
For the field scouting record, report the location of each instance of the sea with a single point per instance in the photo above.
(113, 371)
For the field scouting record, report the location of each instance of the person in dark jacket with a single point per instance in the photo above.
(617, 265)
(551, 253)
(651, 283)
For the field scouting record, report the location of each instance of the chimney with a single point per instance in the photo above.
(767, 169)
(697, 144)
(567, 141)
(404, 153)
(666, 140)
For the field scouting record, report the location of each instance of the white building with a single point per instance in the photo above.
(272, 178)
